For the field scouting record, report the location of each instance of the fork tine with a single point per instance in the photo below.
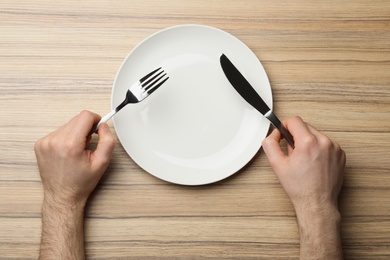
(151, 78)
(155, 80)
(148, 75)
(153, 88)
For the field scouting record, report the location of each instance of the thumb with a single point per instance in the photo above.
(105, 147)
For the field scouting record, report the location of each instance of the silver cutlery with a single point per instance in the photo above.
(244, 88)
(138, 92)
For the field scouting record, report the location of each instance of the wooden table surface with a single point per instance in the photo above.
(328, 61)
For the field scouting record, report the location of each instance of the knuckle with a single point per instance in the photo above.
(265, 142)
(337, 147)
(41, 145)
(296, 118)
(85, 113)
(344, 155)
(309, 141)
(104, 161)
(325, 142)
(67, 147)
(113, 142)
(341, 153)
(56, 146)
(38, 146)
(52, 145)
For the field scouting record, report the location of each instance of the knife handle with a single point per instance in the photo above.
(285, 133)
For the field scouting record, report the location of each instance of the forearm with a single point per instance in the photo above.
(320, 236)
(62, 230)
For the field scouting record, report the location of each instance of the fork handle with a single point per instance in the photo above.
(103, 120)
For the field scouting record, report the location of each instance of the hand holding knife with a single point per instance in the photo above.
(244, 88)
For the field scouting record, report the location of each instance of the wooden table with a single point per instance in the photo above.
(328, 61)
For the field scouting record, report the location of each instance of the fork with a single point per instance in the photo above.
(137, 92)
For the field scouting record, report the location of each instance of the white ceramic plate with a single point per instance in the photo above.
(195, 129)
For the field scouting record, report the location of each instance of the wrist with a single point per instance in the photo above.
(309, 212)
(63, 203)
(320, 233)
(318, 218)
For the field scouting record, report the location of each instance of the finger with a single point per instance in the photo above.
(81, 125)
(105, 147)
(313, 130)
(321, 137)
(272, 148)
(297, 127)
(276, 135)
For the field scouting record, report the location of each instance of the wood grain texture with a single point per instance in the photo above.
(328, 61)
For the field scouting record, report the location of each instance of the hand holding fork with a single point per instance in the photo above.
(138, 92)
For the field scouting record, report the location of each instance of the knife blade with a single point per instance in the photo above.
(244, 88)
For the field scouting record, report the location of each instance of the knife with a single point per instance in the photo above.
(245, 89)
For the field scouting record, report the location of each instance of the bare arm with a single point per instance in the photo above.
(62, 230)
(311, 175)
(69, 174)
